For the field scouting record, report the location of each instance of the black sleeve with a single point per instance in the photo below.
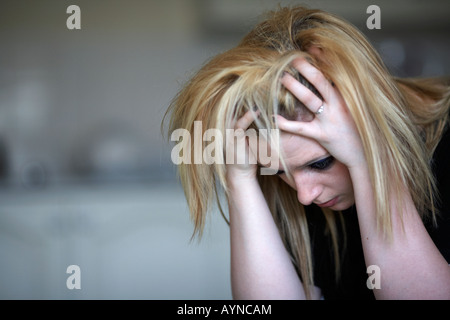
(441, 169)
(351, 284)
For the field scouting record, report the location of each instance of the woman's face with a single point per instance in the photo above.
(316, 176)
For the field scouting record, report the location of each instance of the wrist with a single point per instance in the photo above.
(361, 181)
(359, 168)
(239, 182)
(363, 190)
(359, 171)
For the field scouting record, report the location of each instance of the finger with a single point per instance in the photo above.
(302, 93)
(314, 76)
(318, 54)
(306, 129)
(315, 51)
(246, 120)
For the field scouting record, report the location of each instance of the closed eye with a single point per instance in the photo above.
(323, 164)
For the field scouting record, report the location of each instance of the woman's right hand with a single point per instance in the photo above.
(261, 267)
(240, 152)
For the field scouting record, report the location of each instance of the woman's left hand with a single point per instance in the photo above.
(333, 126)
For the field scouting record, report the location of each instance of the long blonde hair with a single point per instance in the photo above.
(400, 121)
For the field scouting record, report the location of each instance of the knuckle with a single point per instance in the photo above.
(316, 76)
(298, 63)
(309, 99)
(288, 81)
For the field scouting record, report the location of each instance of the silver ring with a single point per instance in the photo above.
(320, 110)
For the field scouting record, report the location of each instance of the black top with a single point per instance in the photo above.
(352, 283)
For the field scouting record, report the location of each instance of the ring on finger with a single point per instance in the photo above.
(320, 110)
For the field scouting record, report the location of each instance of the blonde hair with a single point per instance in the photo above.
(400, 121)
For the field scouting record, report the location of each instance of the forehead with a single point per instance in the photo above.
(298, 150)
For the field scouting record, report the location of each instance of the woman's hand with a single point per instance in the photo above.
(332, 126)
(261, 267)
(242, 154)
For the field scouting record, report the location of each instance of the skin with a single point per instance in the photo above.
(314, 183)
(411, 265)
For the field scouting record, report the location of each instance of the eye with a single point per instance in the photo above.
(280, 172)
(322, 164)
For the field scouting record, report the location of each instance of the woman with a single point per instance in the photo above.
(359, 151)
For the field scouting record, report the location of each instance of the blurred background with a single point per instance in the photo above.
(85, 175)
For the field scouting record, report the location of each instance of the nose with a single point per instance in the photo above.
(308, 189)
